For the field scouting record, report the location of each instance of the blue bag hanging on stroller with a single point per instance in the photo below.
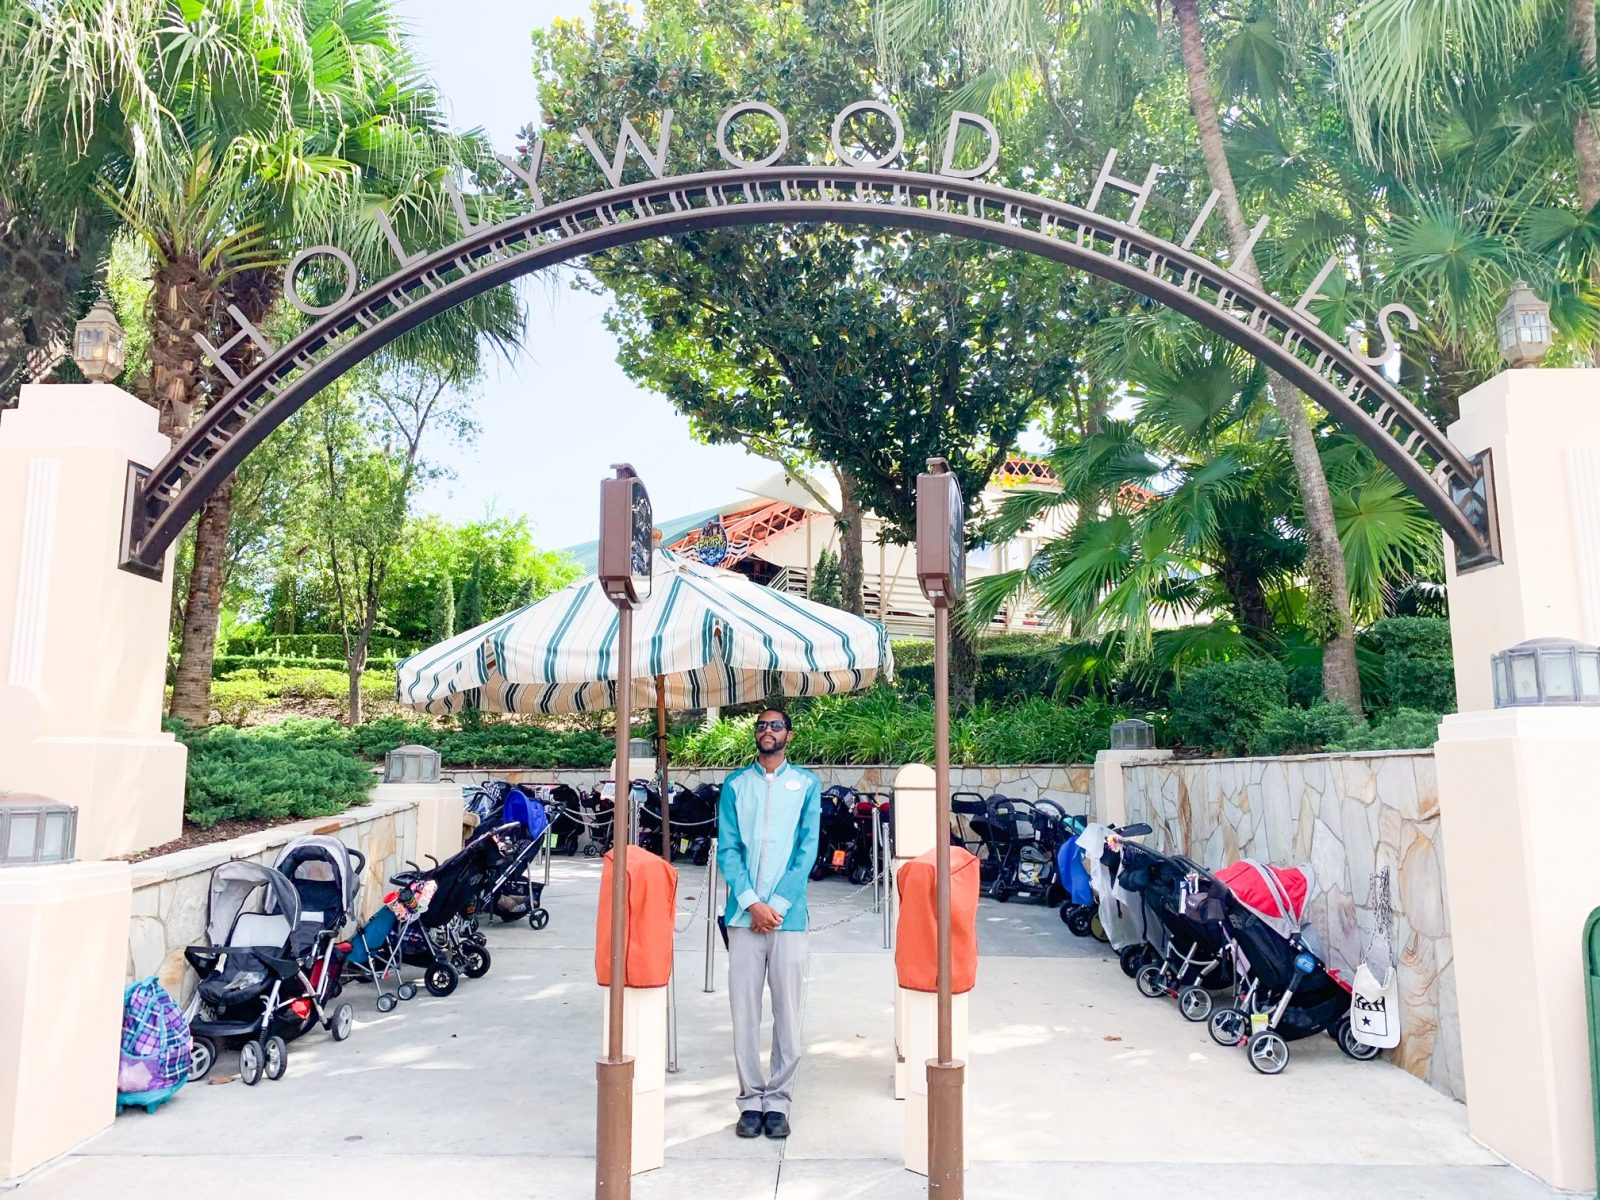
(155, 1060)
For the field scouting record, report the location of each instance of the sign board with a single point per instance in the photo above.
(627, 549)
(941, 538)
(711, 546)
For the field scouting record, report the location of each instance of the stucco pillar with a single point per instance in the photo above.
(83, 645)
(1517, 818)
(64, 943)
(439, 809)
(915, 827)
(1109, 793)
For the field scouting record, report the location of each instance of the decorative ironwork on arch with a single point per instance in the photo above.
(1456, 489)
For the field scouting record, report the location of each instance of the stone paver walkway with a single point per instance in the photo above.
(1081, 1087)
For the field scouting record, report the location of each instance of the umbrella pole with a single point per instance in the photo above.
(666, 850)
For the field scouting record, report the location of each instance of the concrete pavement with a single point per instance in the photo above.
(1080, 1085)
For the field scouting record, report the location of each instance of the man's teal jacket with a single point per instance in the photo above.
(767, 830)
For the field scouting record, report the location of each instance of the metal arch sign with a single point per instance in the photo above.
(854, 190)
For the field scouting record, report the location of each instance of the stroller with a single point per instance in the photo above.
(1024, 864)
(511, 893)
(428, 922)
(861, 864)
(836, 839)
(599, 810)
(694, 821)
(1124, 917)
(563, 805)
(1285, 992)
(1194, 957)
(268, 976)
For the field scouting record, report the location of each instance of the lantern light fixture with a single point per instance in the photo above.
(99, 345)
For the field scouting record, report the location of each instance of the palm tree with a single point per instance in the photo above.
(1401, 64)
(249, 127)
(1010, 34)
(1187, 511)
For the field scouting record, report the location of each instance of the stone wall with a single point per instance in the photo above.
(1347, 815)
(170, 892)
(1069, 785)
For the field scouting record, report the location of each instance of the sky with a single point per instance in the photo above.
(554, 420)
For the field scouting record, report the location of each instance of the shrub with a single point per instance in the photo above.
(1304, 730)
(329, 646)
(1221, 706)
(1403, 729)
(270, 774)
(1418, 663)
(1010, 666)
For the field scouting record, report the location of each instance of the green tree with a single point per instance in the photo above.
(869, 351)
(444, 611)
(1017, 39)
(222, 135)
(471, 609)
(826, 585)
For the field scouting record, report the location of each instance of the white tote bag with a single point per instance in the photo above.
(1375, 1002)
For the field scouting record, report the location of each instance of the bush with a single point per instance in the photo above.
(878, 726)
(502, 744)
(269, 774)
(1403, 729)
(1221, 706)
(328, 646)
(1418, 663)
(264, 665)
(1010, 666)
(1304, 730)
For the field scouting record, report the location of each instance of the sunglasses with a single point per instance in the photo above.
(775, 726)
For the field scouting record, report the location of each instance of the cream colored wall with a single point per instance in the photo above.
(1542, 428)
(1515, 786)
(63, 933)
(83, 645)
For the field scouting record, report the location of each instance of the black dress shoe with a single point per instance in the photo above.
(777, 1125)
(749, 1125)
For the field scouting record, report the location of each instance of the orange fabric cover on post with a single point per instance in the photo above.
(916, 949)
(652, 906)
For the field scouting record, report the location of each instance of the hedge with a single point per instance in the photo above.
(1222, 705)
(325, 646)
(1418, 663)
(1010, 666)
(879, 726)
(268, 774)
(265, 664)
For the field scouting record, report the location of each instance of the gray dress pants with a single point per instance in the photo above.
(756, 962)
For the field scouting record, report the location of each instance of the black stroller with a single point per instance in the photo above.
(268, 975)
(599, 811)
(564, 807)
(836, 839)
(694, 821)
(1190, 957)
(1024, 865)
(1285, 992)
(512, 893)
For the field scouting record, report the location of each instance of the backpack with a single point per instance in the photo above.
(155, 1042)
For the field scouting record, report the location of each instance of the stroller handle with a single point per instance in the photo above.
(1137, 829)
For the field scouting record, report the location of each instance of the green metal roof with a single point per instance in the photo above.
(587, 554)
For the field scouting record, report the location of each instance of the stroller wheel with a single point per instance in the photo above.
(591, 851)
(276, 1051)
(441, 979)
(386, 1002)
(407, 991)
(539, 918)
(475, 962)
(1269, 1053)
(252, 1057)
(1079, 920)
(1150, 982)
(1000, 894)
(860, 875)
(1194, 1003)
(1130, 959)
(344, 1019)
(202, 1057)
(1346, 1037)
(1098, 930)
(1227, 1026)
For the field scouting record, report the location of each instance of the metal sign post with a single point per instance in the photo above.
(626, 553)
(941, 570)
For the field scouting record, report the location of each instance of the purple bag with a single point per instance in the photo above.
(155, 1040)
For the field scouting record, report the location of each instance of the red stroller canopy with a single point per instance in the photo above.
(1277, 895)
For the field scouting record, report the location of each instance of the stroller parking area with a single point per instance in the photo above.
(1079, 1086)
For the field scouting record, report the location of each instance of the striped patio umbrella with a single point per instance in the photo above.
(704, 639)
